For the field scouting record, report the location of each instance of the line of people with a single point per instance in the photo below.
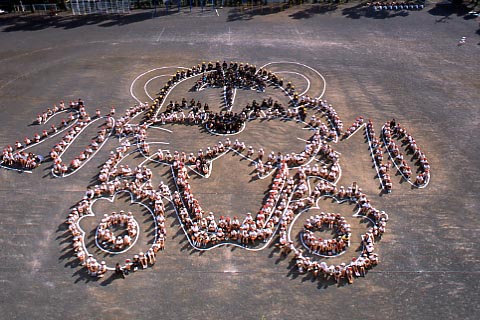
(44, 116)
(394, 5)
(327, 109)
(376, 148)
(394, 131)
(353, 128)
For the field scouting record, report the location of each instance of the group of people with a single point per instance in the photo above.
(343, 272)
(376, 148)
(60, 167)
(20, 159)
(404, 5)
(327, 109)
(313, 146)
(218, 122)
(139, 261)
(216, 75)
(225, 123)
(16, 156)
(328, 247)
(205, 230)
(353, 128)
(229, 122)
(142, 188)
(114, 178)
(286, 196)
(50, 112)
(93, 266)
(393, 130)
(232, 76)
(304, 262)
(122, 126)
(106, 230)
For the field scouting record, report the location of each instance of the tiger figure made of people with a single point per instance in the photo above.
(246, 141)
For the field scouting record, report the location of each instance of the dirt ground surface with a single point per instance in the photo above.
(403, 65)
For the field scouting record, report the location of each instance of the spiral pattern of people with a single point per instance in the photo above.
(224, 111)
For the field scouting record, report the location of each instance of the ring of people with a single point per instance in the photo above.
(127, 230)
(154, 178)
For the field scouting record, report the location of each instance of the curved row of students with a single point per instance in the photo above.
(225, 122)
(270, 109)
(264, 164)
(322, 246)
(49, 113)
(79, 105)
(105, 230)
(24, 160)
(326, 108)
(44, 116)
(339, 273)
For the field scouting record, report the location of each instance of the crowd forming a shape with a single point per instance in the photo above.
(289, 193)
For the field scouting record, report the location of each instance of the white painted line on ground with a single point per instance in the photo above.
(303, 65)
(141, 75)
(301, 75)
(160, 35)
(356, 130)
(148, 82)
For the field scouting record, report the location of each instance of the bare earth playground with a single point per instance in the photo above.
(255, 164)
